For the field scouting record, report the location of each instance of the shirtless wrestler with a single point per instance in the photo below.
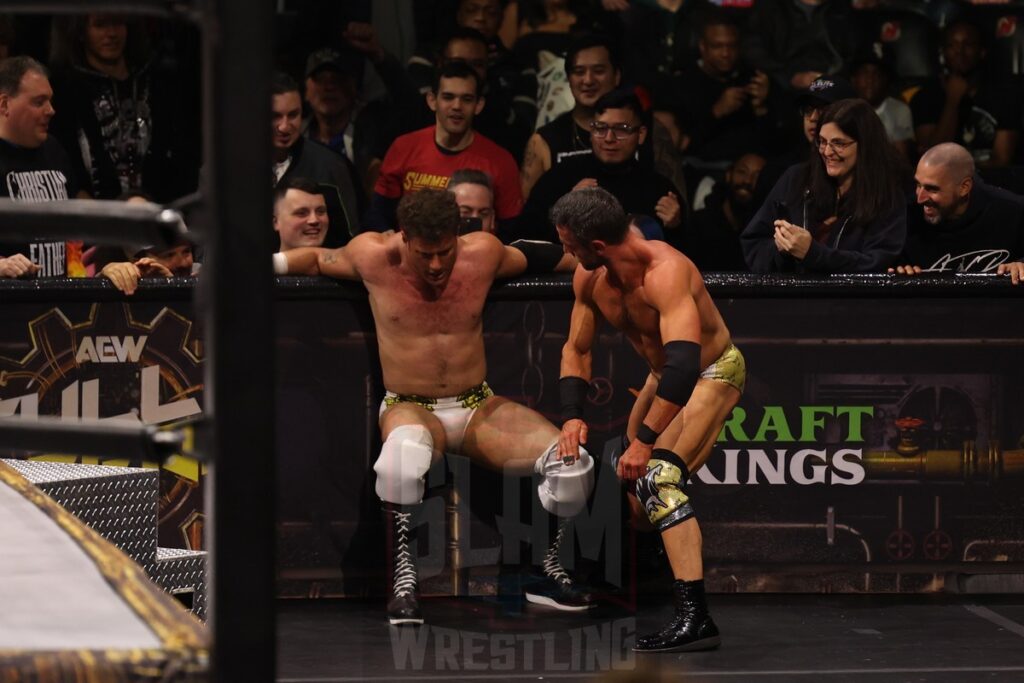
(656, 296)
(427, 287)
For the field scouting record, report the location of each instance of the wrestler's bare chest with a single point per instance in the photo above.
(404, 308)
(625, 310)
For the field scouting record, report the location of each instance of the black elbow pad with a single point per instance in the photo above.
(680, 373)
(541, 257)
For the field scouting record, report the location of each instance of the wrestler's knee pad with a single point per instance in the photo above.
(564, 489)
(404, 459)
(661, 490)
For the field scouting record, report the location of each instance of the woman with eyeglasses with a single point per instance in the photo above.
(844, 211)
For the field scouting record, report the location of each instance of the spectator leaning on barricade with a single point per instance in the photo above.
(968, 106)
(617, 132)
(427, 158)
(296, 156)
(961, 224)
(300, 214)
(842, 212)
(475, 196)
(803, 145)
(712, 239)
(33, 166)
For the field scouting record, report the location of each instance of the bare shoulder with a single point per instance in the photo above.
(481, 245)
(369, 250)
(670, 272)
(584, 281)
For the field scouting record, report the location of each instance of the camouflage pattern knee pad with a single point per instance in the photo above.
(662, 490)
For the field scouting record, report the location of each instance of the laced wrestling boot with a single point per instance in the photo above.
(556, 588)
(404, 605)
(690, 630)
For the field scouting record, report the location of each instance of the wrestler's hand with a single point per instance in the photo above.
(574, 433)
(17, 265)
(906, 270)
(1014, 268)
(585, 183)
(633, 463)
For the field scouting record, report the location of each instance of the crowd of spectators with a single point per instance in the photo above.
(813, 136)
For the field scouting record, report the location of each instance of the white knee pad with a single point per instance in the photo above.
(404, 459)
(564, 489)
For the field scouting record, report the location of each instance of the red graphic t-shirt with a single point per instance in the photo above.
(415, 162)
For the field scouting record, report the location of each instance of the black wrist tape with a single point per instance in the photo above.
(573, 392)
(680, 373)
(646, 435)
(541, 257)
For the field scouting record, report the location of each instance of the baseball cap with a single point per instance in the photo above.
(827, 89)
(323, 58)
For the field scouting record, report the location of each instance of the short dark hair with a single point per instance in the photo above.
(456, 69)
(430, 215)
(472, 176)
(296, 183)
(716, 17)
(620, 98)
(282, 82)
(591, 214)
(13, 69)
(586, 41)
(463, 33)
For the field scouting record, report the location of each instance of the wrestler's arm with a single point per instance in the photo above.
(337, 263)
(668, 291)
(532, 257)
(576, 366)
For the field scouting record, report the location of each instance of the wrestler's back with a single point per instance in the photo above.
(430, 344)
(630, 312)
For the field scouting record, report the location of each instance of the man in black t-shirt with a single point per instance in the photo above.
(979, 113)
(33, 166)
(617, 133)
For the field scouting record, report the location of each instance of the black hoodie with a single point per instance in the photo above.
(990, 232)
(847, 248)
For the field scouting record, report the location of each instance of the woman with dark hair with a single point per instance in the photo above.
(844, 211)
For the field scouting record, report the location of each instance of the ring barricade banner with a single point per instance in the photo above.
(879, 445)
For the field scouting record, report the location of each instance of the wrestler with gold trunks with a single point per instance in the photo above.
(656, 297)
(427, 287)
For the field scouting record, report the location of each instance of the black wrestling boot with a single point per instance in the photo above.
(690, 630)
(404, 605)
(555, 587)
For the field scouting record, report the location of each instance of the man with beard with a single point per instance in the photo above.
(427, 287)
(616, 133)
(963, 225)
(967, 107)
(428, 157)
(655, 296)
(712, 240)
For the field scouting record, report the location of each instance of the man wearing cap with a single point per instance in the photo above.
(332, 91)
(296, 156)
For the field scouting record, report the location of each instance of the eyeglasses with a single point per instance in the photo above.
(620, 131)
(838, 146)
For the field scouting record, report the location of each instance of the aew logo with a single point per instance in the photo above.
(104, 349)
